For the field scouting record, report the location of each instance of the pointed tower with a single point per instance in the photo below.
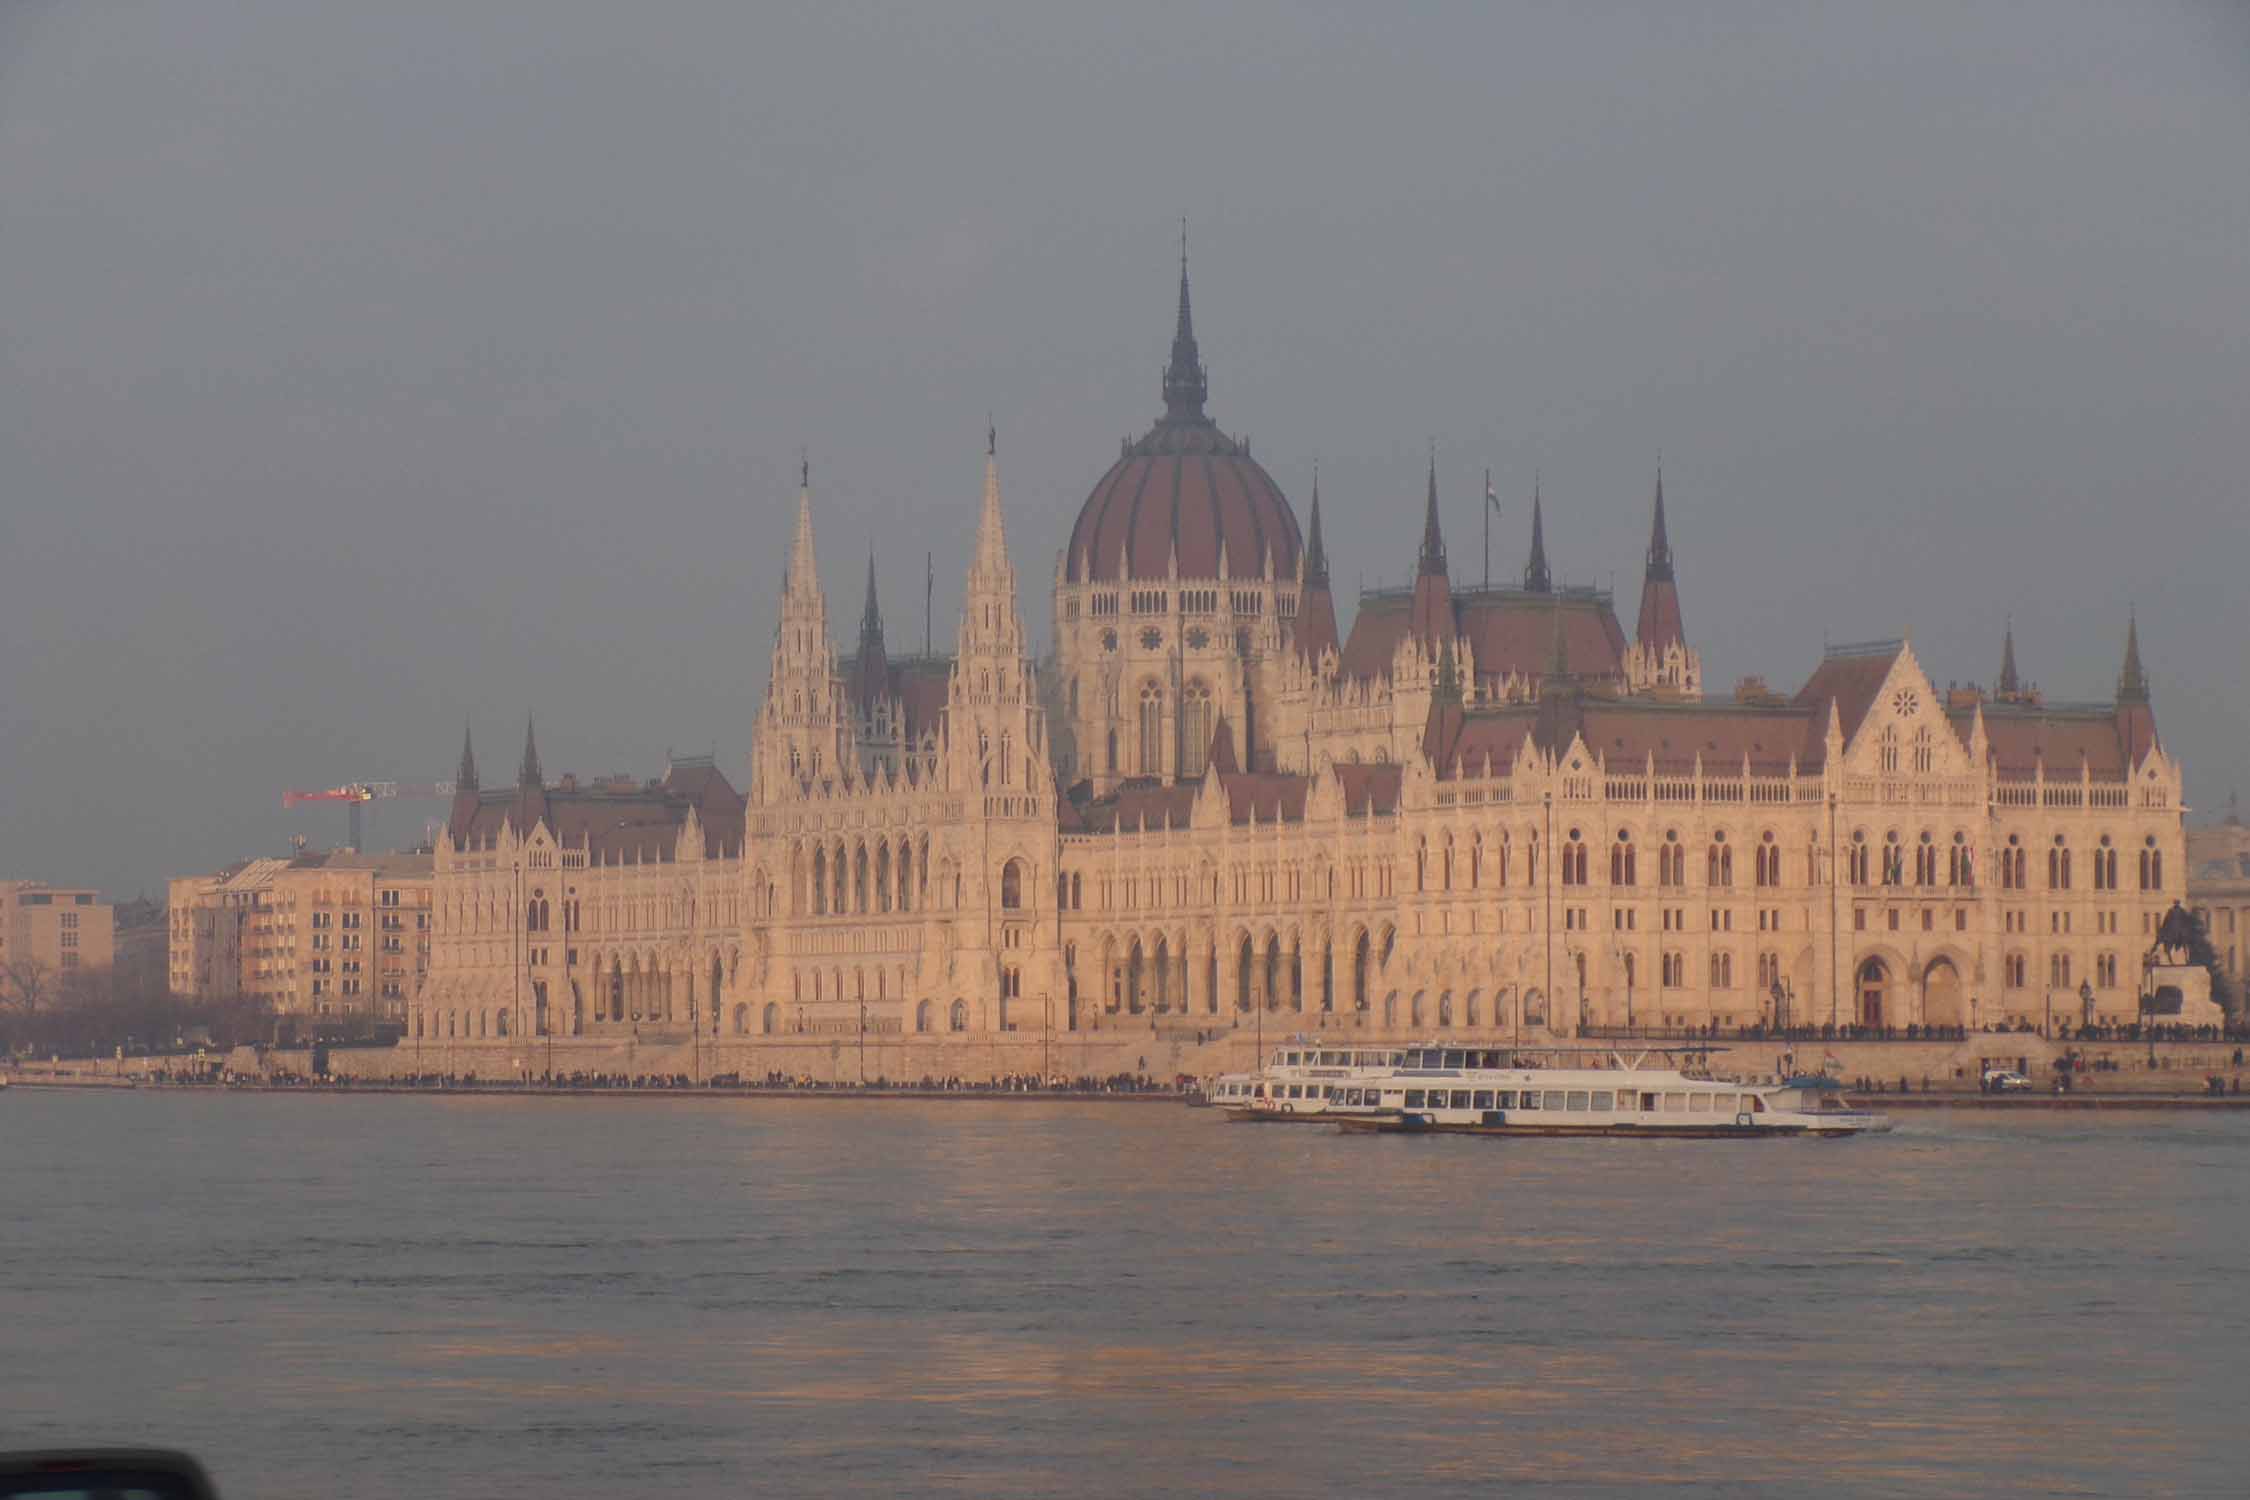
(464, 810)
(1660, 625)
(1186, 384)
(528, 772)
(1432, 616)
(2010, 686)
(996, 731)
(871, 672)
(1660, 661)
(531, 783)
(1536, 578)
(2136, 719)
(1315, 628)
(801, 733)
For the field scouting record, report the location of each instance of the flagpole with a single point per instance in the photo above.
(1488, 528)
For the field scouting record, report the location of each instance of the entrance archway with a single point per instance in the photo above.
(1874, 989)
(1941, 994)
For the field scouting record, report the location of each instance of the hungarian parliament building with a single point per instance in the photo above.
(1484, 812)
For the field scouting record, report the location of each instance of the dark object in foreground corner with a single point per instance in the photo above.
(103, 1474)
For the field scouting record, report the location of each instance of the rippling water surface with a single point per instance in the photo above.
(565, 1297)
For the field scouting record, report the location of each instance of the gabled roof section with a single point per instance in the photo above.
(1849, 677)
(1370, 790)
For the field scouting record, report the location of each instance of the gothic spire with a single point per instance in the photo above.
(1535, 575)
(1659, 543)
(1316, 551)
(465, 779)
(2010, 684)
(1185, 382)
(804, 569)
(871, 616)
(1433, 539)
(2132, 682)
(528, 774)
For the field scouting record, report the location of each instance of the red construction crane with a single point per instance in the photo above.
(360, 793)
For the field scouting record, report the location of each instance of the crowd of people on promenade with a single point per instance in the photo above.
(772, 1082)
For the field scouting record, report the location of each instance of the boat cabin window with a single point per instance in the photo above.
(1699, 1103)
(1530, 1100)
(1456, 1059)
(1460, 1098)
(1675, 1104)
(1413, 1098)
(1556, 1099)
(1604, 1099)
(1578, 1099)
(1483, 1099)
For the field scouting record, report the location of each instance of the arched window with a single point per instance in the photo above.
(1894, 860)
(1011, 885)
(1671, 860)
(1574, 860)
(1925, 861)
(1623, 869)
(2058, 866)
(1768, 860)
(958, 1019)
(1675, 970)
(1722, 971)
(1152, 730)
(2058, 971)
(1961, 868)
(1889, 747)
(2105, 866)
(1195, 729)
(1718, 862)
(2014, 971)
(1925, 754)
(820, 882)
(2152, 866)
(1360, 957)
(769, 1021)
(1245, 960)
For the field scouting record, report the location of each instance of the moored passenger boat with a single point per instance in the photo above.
(1461, 1092)
(1303, 1082)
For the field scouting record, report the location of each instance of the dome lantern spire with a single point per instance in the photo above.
(1186, 385)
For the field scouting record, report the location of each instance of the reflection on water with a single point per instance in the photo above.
(386, 1296)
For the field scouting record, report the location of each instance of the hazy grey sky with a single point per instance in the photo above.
(365, 368)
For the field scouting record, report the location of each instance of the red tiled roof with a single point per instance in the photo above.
(1270, 797)
(2023, 736)
(1137, 804)
(1369, 787)
(1849, 680)
(1203, 504)
(1512, 632)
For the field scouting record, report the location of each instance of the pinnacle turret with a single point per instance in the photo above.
(1316, 551)
(2010, 684)
(2132, 681)
(1659, 542)
(1433, 538)
(871, 616)
(529, 774)
(465, 779)
(1536, 578)
(1186, 385)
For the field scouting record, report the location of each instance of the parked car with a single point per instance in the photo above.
(2004, 1081)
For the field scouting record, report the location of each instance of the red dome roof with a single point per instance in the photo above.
(1153, 504)
(1185, 490)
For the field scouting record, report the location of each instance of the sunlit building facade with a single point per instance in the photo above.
(1483, 811)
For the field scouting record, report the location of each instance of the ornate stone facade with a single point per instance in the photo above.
(1482, 811)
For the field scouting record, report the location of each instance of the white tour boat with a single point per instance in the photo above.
(1303, 1081)
(1468, 1091)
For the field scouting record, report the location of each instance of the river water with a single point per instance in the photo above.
(411, 1296)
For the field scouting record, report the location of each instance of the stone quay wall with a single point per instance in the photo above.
(1950, 1066)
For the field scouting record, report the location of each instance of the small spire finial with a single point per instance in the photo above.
(804, 469)
(2132, 682)
(1536, 577)
(991, 437)
(1433, 538)
(528, 774)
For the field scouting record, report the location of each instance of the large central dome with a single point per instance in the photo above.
(1185, 492)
